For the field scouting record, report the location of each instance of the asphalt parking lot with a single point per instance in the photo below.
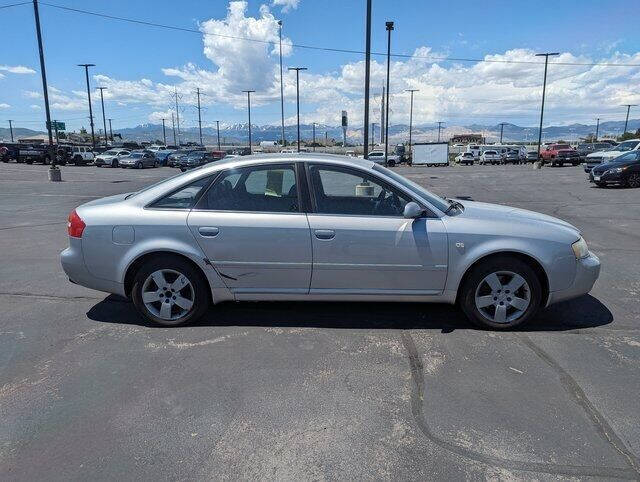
(318, 390)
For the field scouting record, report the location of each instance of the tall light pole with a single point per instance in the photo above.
(439, 129)
(367, 76)
(175, 93)
(111, 131)
(164, 133)
(389, 27)
(173, 125)
(45, 89)
(314, 135)
(502, 124)
(11, 129)
(298, 69)
(544, 90)
(86, 73)
(249, 112)
(597, 127)
(199, 117)
(411, 115)
(281, 82)
(626, 121)
(104, 119)
(218, 131)
(373, 134)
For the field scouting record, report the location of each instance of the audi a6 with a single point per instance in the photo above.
(322, 228)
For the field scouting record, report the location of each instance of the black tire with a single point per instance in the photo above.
(46, 161)
(200, 285)
(114, 163)
(139, 165)
(391, 163)
(633, 180)
(493, 265)
(155, 164)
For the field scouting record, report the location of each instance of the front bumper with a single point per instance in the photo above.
(607, 178)
(587, 272)
(73, 265)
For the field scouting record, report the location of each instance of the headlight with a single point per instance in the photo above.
(580, 248)
(615, 170)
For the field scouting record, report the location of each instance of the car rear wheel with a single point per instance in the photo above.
(633, 180)
(138, 165)
(501, 293)
(114, 163)
(169, 291)
(156, 163)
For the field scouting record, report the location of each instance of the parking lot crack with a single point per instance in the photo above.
(416, 367)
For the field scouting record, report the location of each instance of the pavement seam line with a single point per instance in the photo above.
(580, 397)
(417, 396)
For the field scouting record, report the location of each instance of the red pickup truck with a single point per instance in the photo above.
(558, 154)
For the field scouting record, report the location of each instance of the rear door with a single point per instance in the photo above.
(251, 227)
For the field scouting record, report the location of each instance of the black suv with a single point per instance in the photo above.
(623, 171)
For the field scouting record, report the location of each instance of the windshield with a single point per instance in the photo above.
(625, 146)
(111, 153)
(417, 189)
(629, 156)
(137, 154)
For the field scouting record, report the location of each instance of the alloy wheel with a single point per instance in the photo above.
(502, 296)
(633, 180)
(168, 294)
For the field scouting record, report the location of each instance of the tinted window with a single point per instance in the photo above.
(184, 198)
(346, 191)
(629, 156)
(257, 188)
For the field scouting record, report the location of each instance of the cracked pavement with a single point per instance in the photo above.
(316, 390)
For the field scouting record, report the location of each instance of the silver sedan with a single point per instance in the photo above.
(320, 227)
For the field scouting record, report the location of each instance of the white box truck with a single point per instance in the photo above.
(430, 154)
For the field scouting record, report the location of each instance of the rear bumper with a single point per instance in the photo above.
(73, 265)
(587, 272)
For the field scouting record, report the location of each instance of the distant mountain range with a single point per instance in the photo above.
(238, 133)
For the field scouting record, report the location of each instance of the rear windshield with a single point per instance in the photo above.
(562, 146)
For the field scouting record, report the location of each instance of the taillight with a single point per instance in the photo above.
(76, 225)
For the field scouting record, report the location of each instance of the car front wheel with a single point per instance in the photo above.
(501, 293)
(114, 163)
(169, 291)
(633, 180)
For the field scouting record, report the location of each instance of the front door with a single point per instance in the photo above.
(362, 244)
(250, 226)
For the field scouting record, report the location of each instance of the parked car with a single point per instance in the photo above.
(139, 160)
(490, 157)
(587, 148)
(11, 151)
(30, 153)
(559, 154)
(532, 156)
(195, 159)
(511, 157)
(295, 225)
(466, 158)
(378, 158)
(111, 158)
(162, 155)
(597, 158)
(624, 170)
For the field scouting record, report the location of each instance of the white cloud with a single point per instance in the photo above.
(4, 106)
(157, 116)
(286, 5)
(17, 69)
(35, 107)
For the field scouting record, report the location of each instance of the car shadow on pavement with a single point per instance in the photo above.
(583, 312)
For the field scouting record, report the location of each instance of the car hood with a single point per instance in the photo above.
(479, 210)
(605, 154)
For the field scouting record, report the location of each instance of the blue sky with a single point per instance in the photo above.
(132, 60)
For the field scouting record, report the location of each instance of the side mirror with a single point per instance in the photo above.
(412, 210)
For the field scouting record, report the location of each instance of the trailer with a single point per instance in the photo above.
(430, 154)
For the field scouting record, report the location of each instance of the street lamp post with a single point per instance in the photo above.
(389, 27)
(314, 136)
(249, 112)
(439, 129)
(597, 127)
(298, 69)
(411, 116)
(104, 119)
(164, 133)
(367, 70)
(281, 82)
(626, 121)
(502, 124)
(544, 90)
(218, 131)
(86, 73)
(111, 131)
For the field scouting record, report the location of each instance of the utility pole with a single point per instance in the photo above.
(249, 112)
(544, 90)
(502, 124)
(373, 134)
(43, 71)
(177, 114)
(298, 69)
(411, 115)
(367, 70)
(173, 124)
(199, 117)
(326, 138)
(314, 136)
(164, 133)
(218, 130)
(382, 124)
(55, 127)
(281, 82)
(389, 27)
(104, 120)
(439, 129)
(597, 127)
(111, 131)
(86, 73)
(626, 121)
(11, 129)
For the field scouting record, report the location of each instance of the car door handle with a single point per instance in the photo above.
(325, 233)
(208, 231)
